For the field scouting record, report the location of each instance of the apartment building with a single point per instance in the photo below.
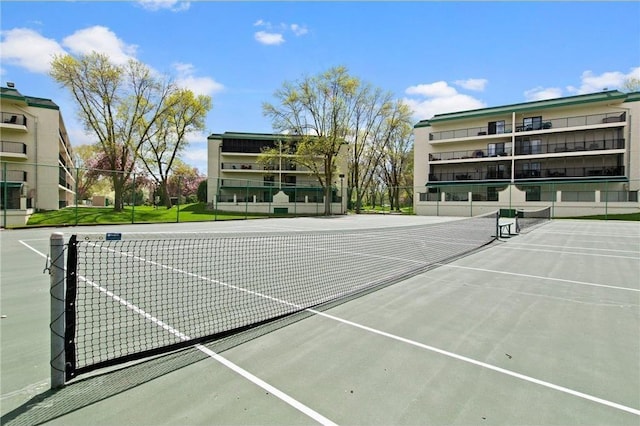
(36, 157)
(579, 154)
(238, 181)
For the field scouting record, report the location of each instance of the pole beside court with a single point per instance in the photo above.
(56, 270)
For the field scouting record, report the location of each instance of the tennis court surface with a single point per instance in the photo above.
(539, 328)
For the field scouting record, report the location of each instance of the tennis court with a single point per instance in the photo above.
(539, 328)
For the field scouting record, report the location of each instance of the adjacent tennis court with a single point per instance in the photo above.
(538, 328)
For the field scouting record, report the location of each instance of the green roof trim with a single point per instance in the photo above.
(241, 135)
(610, 95)
(11, 93)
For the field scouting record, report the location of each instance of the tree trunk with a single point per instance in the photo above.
(118, 191)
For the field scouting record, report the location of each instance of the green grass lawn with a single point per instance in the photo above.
(139, 214)
(628, 216)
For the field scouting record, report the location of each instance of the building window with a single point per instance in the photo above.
(532, 146)
(495, 149)
(531, 169)
(496, 171)
(268, 180)
(496, 127)
(13, 191)
(532, 123)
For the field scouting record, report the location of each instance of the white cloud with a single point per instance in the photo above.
(441, 98)
(172, 5)
(198, 85)
(607, 80)
(102, 40)
(541, 93)
(477, 84)
(28, 49)
(264, 37)
(438, 89)
(298, 30)
(274, 34)
(196, 153)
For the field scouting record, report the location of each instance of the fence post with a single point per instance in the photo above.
(178, 200)
(4, 195)
(606, 200)
(57, 326)
(133, 200)
(246, 200)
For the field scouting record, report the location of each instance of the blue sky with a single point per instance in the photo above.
(437, 56)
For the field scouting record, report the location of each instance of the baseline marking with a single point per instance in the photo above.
(236, 368)
(483, 364)
(574, 248)
(323, 420)
(493, 271)
(568, 252)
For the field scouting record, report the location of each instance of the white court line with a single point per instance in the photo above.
(427, 347)
(512, 243)
(483, 364)
(529, 379)
(32, 249)
(608, 236)
(509, 247)
(494, 271)
(236, 368)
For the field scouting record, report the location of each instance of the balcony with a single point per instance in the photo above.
(470, 175)
(13, 149)
(9, 120)
(572, 172)
(469, 154)
(604, 120)
(15, 176)
(468, 133)
(599, 145)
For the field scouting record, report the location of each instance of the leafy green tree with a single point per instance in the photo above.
(317, 110)
(119, 104)
(397, 152)
(183, 182)
(89, 179)
(202, 191)
(378, 125)
(168, 136)
(631, 85)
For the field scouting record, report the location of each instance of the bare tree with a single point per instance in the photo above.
(317, 110)
(119, 104)
(168, 137)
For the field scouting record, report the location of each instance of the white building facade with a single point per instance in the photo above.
(36, 158)
(237, 181)
(579, 155)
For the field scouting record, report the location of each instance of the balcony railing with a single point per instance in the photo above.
(564, 122)
(13, 147)
(547, 173)
(467, 133)
(572, 172)
(257, 167)
(15, 176)
(551, 148)
(469, 175)
(575, 146)
(13, 118)
(474, 153)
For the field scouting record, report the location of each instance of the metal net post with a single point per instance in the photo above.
(57, 272)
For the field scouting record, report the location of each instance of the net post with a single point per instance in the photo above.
(57, 326)
(498, 225)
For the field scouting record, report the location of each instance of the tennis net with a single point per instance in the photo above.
(529, 218)
(130, 296)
